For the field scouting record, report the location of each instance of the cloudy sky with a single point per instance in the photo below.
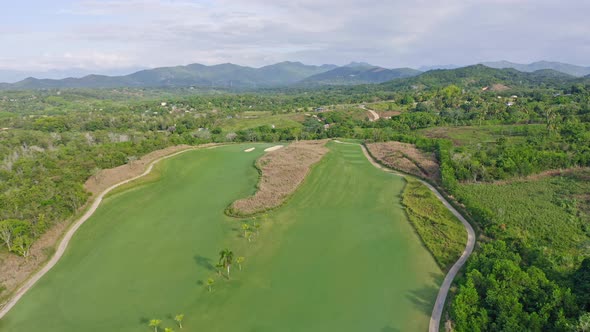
(119, 35)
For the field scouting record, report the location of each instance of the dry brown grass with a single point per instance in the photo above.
(282, 171)
(406, 158)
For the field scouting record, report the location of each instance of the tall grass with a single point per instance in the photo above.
(443, 235)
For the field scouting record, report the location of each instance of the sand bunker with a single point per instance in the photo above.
(249, 150)
(273, 148)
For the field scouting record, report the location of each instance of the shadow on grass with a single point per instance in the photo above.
(437, 278)
(204, 262)
(423, 298)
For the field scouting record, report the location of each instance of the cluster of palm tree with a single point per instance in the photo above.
(226, 259)
(155, 323)
(251, 230)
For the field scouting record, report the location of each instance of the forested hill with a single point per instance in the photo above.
(482, 77)
(223, 75)
(540, 65)
(360, 74)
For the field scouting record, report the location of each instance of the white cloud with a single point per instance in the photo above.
(119, 33)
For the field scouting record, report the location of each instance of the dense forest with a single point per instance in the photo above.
(521, 124)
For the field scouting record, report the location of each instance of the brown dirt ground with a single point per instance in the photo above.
(282, 171)
(388, 114)
(499, 87)
(14, 270)
(407, 158)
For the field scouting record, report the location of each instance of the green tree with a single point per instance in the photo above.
(155, 323)
(219, 267)
(584, 323)
(240, 260)
(178, 318)
(245, 228)
(210, 283)
(22, 245)
(226, 258)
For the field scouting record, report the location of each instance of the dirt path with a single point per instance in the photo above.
(374, 115)
(70, 233)
(446, 285)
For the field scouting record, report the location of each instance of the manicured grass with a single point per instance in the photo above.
(340, 255)
(442, 233)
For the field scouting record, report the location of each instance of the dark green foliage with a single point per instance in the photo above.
(500, 293)
(581, 282)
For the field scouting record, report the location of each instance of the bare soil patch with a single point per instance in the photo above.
(406, 158)
(499, 87)
(14, 270)
(282, 171)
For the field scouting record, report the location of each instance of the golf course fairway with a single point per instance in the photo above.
(340, 255)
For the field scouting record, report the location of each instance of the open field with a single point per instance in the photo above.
(263, 119)
(282, 171)
(471, 135)
(548, 211)
(340, 253)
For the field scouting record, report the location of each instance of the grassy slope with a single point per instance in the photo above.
(339, 256)
(439, 229)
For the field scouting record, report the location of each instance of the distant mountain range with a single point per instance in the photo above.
(480, 77)
(573, 70)
(359, 73)
(11, 76)
(228, 76)
(281, 74)
(223, 75)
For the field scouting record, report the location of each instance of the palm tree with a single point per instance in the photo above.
(178, 318)
(226, 258)
(245, 228)
(155, 323)
(240, 260)
(257, 227)
(219, 267)
(210, 283)
(168, 330)
(248, 235)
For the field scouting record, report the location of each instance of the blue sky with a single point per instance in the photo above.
(120, 35)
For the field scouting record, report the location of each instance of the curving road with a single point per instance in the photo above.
(374, 115)
(70, 233)
(446, 285)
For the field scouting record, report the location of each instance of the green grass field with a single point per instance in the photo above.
(340, 255)
(487, 134)
(550, 212)
(258, 119)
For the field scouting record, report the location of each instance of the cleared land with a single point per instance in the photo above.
(339, 256)
(406, 158)
(282, 171)
(439, 229)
